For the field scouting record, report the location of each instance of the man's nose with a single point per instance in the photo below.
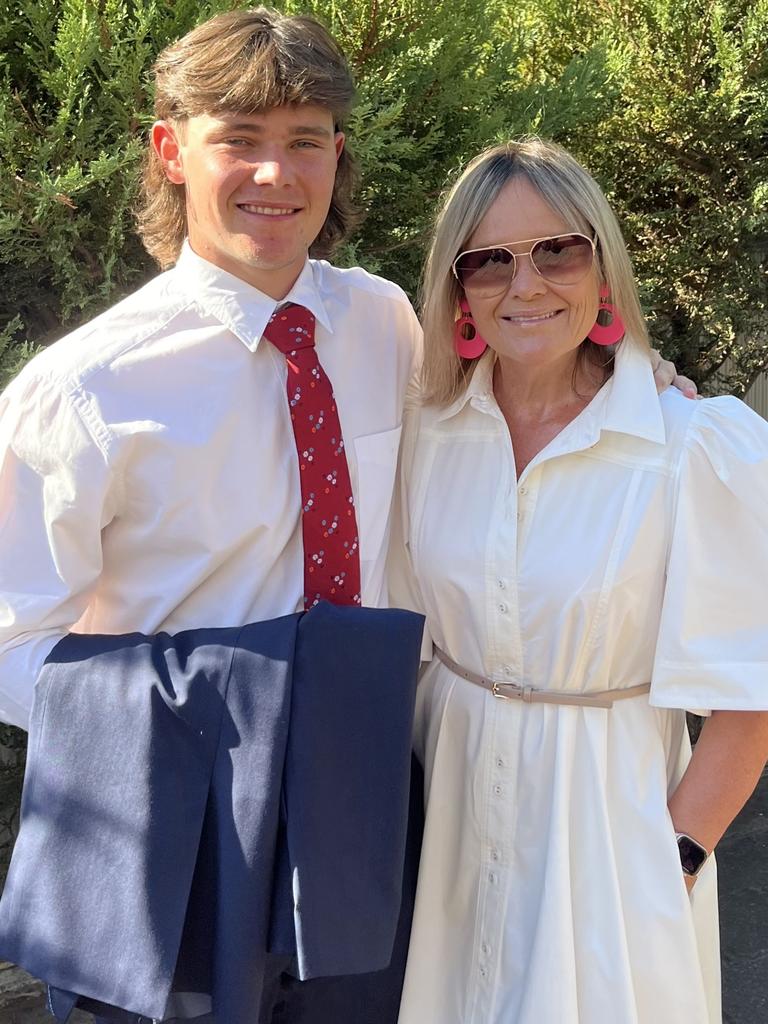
(272, 171)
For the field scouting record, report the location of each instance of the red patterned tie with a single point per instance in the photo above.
(328, 522)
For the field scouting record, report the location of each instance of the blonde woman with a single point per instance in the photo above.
(591, 559)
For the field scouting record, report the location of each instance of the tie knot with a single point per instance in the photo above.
(291, 327)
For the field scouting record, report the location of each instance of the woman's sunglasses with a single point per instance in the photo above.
(559, 259)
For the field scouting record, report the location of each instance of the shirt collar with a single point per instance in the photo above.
(239, 306)
(632, 403)
(627, 404)
(478, 391)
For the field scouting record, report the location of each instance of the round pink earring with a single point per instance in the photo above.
(466, 339)
(611, 332)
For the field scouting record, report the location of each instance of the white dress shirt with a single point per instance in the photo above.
(148, 469)
(632, 549)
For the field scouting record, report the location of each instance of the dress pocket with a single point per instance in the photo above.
(376, 456)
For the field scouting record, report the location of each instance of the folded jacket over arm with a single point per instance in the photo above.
(190, 798)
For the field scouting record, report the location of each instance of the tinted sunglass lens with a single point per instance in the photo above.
(485, 269)
(563, 260)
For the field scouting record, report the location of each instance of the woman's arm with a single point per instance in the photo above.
(727, 761)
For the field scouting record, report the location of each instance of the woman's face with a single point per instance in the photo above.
(533, 321)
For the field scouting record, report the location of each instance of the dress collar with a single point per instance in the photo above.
(239, 306)
(627, 404)
(631, 402)
(479, 390)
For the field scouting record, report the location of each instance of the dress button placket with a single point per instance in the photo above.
(501, 740)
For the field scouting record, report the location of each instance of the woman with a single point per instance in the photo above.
(591, 559)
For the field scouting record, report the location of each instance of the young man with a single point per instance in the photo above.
(149, 475)
(155, 475)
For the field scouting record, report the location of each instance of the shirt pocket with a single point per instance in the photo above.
(376, 456)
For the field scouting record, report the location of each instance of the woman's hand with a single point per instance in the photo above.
(665, 374)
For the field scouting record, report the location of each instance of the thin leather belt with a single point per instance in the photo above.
(512, 691)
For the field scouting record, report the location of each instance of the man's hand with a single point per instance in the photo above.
(665, 374)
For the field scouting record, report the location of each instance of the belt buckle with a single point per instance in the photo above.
(523, 693)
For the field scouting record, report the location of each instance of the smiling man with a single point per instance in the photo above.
(155, 455)
(220, 447)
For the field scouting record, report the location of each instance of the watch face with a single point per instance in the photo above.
(692, 856)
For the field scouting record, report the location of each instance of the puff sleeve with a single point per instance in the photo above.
(712, 649)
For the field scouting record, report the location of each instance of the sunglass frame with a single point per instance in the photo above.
(534, 242)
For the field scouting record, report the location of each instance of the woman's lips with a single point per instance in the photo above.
(524, 319)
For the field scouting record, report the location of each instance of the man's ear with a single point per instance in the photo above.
(338, 141)
(165, 142)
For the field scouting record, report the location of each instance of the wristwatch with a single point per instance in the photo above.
(692, 854)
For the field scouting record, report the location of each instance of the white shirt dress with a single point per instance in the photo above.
(633, 549)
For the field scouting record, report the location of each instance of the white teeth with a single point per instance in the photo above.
(270, 211)
(520, 318)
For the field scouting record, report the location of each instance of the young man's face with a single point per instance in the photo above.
(258, 187)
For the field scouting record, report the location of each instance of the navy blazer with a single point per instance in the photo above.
(194, 801)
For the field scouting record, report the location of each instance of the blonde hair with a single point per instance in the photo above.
(571, 192)
(245, 62)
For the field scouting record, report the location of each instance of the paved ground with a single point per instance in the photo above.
(743, 870)
(743, 857)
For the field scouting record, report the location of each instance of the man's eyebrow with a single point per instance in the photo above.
(317, 130)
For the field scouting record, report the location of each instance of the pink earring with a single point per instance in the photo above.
(611, 332)
(466, 340)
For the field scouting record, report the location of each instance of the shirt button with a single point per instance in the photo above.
(494, 854)
(497, 790)
(523, 491)
(492, 878)
(483, 972)
(499, 762)
(502, 584)
(503, 608)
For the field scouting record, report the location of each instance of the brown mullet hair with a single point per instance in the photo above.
(244, 62)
